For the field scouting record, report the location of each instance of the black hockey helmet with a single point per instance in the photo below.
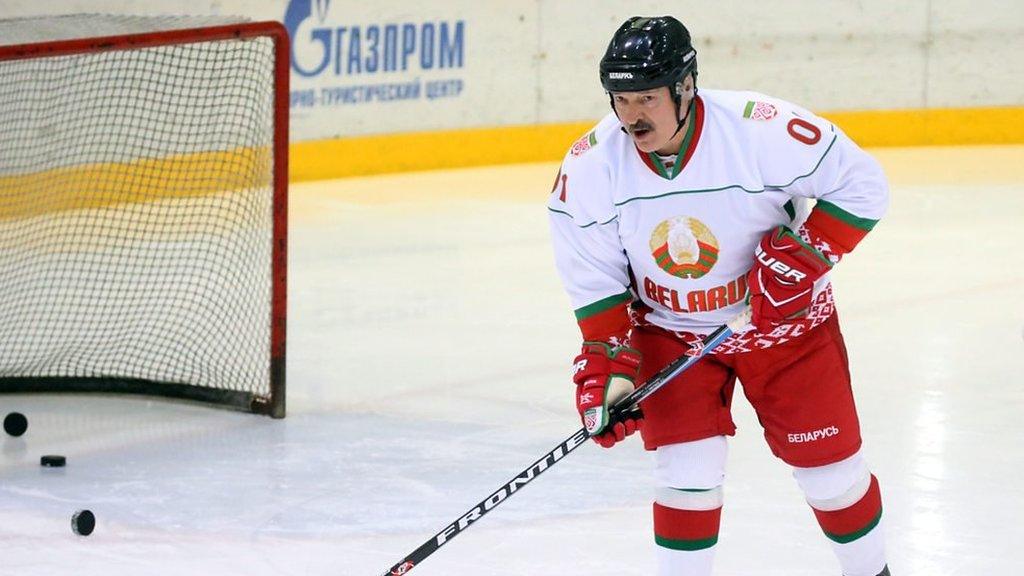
(648, 53)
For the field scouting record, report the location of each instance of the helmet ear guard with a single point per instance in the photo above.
(678, 90)
(681, 88)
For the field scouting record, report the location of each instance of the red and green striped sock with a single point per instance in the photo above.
(856, 533)
(686, 539)
(851, 523)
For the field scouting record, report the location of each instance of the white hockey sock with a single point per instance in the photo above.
(682, 563)
(864, 556)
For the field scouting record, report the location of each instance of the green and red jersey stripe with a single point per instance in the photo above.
(842, 229)
(605, 318)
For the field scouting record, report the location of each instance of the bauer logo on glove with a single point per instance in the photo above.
(785, 273)
(782, 279)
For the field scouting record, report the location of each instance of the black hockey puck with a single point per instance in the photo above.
(83, 522)
(53, 461)
(15, 424)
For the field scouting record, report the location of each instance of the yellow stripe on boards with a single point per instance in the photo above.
(383, 154)
(933, 127)
(392, 153)
(144, 180)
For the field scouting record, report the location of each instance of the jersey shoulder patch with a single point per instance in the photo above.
(760, 110)
(585, 143)
(745, 104)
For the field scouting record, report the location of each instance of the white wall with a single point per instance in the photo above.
(536, 62)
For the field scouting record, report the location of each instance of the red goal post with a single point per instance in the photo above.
(143, 208)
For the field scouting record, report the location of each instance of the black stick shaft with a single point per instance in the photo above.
(487, 504)
(668, 373)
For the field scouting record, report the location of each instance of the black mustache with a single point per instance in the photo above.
(640, 125)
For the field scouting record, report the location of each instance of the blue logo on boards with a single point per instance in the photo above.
(324, 49)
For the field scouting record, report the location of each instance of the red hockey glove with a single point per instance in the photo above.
(782, 279)
(603, 375)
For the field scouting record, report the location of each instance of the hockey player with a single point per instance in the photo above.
(674, 213)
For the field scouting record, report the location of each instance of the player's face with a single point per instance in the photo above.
(648, 116)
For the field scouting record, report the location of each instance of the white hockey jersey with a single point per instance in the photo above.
(681, 238)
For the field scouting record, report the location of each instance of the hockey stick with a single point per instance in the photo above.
(674, 368)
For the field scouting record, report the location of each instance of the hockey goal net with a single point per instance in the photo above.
(143, 199)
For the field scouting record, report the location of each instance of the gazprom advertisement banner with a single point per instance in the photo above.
(387, 66)
(362, 68)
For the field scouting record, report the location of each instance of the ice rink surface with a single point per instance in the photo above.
(429, 347)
